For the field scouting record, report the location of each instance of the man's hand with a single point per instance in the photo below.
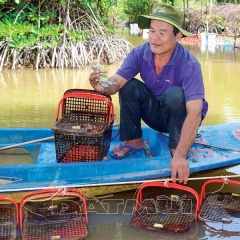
(179, 167)
(94, 81)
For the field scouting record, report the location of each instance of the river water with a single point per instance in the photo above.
(29, 98)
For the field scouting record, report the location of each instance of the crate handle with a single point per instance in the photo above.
(139, 197)
(52, 192)
(2, 198)
(88, 95)
(225, 181)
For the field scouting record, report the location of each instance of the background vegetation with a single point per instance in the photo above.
(74, 33)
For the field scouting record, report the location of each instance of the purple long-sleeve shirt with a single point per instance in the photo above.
(183, 70)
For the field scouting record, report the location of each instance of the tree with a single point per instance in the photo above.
(57, 33)
(133, 8)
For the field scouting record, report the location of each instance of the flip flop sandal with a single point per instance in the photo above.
(131, 151)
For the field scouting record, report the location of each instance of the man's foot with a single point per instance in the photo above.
(127, 146)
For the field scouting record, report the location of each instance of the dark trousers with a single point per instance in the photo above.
(137, 102)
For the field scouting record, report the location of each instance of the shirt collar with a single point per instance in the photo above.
(148, 55)
(174, 56)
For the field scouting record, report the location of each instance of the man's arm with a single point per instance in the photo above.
(189, 131)
(118, 83)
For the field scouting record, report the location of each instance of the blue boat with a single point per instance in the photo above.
(216, 146)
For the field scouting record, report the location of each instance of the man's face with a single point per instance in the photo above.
(161, 37)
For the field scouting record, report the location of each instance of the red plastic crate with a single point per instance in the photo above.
(161, 212)
(54, 214)
(219, 206)
(8, 219)
(83, 133)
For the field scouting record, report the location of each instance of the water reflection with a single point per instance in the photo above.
(29, 98)
(215, 47)
(219, 231)
(123, 231)
(211, 42)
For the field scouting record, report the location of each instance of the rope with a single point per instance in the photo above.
(206, 145)
(166, 180)
(166, 183)
(214, 177)
(49, 198)
(116, 183)
(222, 148)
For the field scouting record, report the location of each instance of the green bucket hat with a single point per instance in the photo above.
(165, 13)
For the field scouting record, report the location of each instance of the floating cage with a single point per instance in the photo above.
(172, 213)
(54, 214)
(8, 219)
(219, 206)
(83, 132)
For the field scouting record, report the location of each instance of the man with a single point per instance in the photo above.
(170, 99)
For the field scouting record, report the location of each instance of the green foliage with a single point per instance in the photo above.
(133, 8)
(12, 1)
(27, 26)
(28, 15)
(110, 27)
(86, 2)
(102, 8)
(217, 21)
(171, 2)
(77, 36)
(33, 16)
(228, 1)
(27, 35)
